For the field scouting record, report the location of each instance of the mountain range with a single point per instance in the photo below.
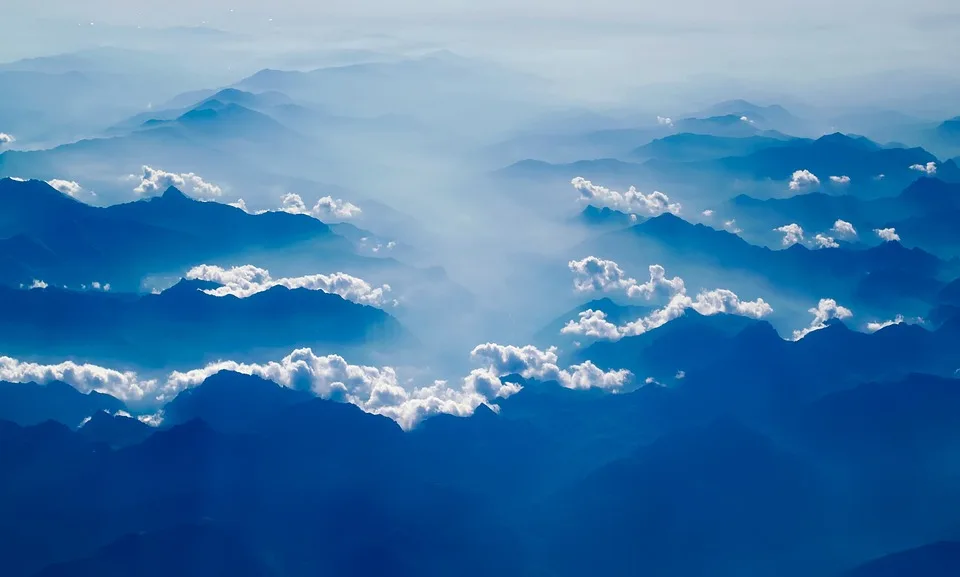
(185, 326)
(52, 237)
(214, 473)
(883, 277)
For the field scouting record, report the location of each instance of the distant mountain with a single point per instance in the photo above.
(115, 431)
(616, 313)
(609, 168)
(918, 208)
(547, 145)
(49, 236)
(911, 419)
(31, 404)
(949, 130)
(716, 490)
(728, 125)
(607, 218)
(414, 87)
(770, 117)
(183, 324)
(687, 147)
(231, 402)
(833, 155)
(685, 249)
(940, 559)
(190, 550)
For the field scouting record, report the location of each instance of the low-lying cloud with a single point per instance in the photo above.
(376, 390)
(246, 280)
(6, 139)
(875, 326)
(843, 229)
(929, 168)
(631, 202)
(532, 363)
(327, 208)
(826, 309)
(792, 234)
(887, 234)
(803, 180)
(154, 181)
(823, 241)
(593, 323)
(844, 179)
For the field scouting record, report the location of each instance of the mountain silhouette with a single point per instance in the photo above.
(687, 147)
(184, 324)
(940, 559)
(32, 403)
(115, 431)
(67, 242)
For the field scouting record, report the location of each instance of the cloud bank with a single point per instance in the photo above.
(630, 202)
(532, 363)
(594, 323)
(929, 168)
(246, 280)
(376, 390)
(154, 181)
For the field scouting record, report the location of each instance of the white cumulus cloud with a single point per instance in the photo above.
(803, 179)
(731, 226)
(792, 234)
(630, 202)
(664, 121)
(929, 168)
(825, 310)
(326, 208)
(532, 363)
(840, 179)
(243, 281)
(887, 234)
(124, 385)
(843, 229)
(71, 188)
(154, 181)
(6, 139)
(594, 324)
(824, 241)
(707, 213)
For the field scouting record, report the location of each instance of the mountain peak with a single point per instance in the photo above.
(174, 193)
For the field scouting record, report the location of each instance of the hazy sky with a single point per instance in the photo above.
(602, 48)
